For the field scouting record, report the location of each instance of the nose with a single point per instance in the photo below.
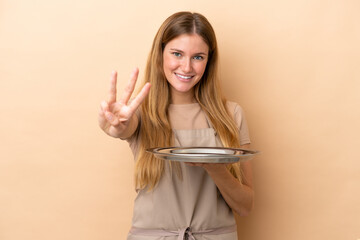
(186, 65)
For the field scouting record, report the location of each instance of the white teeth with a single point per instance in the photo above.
(184, 77)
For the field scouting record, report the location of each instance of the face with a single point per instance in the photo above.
(184, 61)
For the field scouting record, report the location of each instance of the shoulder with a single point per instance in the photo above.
(239, 117)
(235, 109)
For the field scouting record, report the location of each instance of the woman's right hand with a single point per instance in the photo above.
(117, 118)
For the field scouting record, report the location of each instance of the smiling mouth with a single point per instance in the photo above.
(183, 76)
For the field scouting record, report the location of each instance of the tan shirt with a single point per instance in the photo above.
(193, 201)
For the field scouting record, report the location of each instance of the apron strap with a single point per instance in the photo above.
(210, 124)
(183, 234)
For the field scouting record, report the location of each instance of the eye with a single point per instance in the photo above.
(198, 58)
(176, 54)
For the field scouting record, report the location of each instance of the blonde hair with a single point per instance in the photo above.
(155, 128)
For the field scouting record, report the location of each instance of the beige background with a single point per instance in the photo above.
(292, 65)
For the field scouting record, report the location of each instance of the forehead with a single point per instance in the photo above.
(192, 43)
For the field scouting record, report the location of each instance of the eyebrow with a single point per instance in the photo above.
(178, 50)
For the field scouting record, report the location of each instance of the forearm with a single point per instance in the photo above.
(238, 196)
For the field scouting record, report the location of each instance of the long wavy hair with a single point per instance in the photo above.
(155, 128)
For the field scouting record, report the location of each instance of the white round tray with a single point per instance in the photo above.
(203, 154)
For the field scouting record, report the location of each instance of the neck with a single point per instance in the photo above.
(182, 98)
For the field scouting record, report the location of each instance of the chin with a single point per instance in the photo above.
(183, 90)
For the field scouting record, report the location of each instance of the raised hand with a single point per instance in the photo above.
(117, 118)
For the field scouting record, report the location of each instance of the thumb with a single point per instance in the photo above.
(111, 118)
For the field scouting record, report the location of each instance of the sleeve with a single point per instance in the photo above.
(240, 120)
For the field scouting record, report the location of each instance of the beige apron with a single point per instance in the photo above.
(188, 208)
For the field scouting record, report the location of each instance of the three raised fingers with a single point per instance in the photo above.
(132, 107)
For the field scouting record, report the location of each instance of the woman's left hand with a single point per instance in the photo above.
(211, 167)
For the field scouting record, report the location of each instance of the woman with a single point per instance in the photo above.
(180, 104)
